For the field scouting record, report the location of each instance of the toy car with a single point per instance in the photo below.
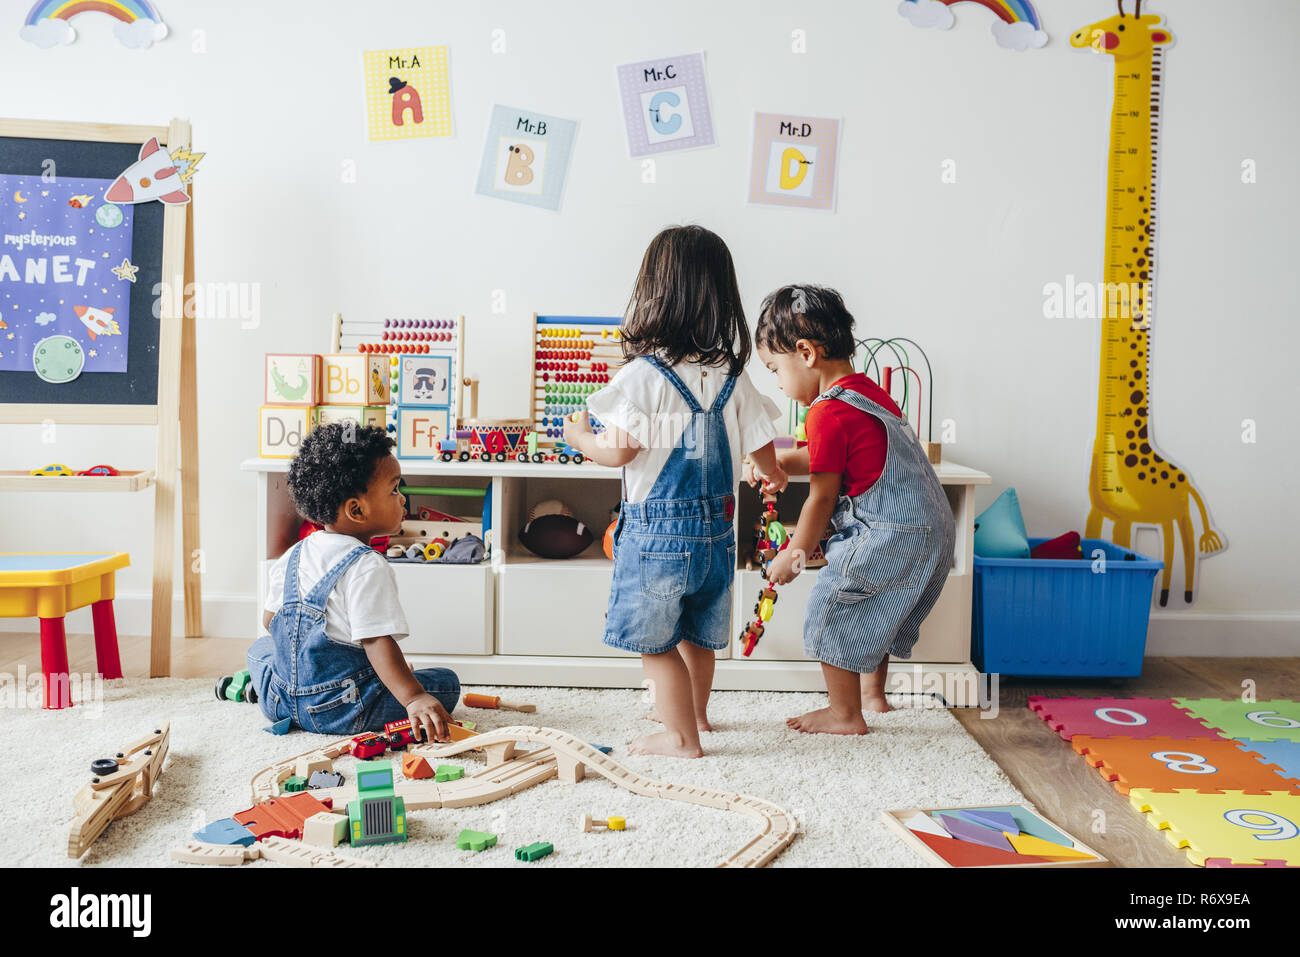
(237, 687)
(100, 470)
(53, 470)
(366, 746)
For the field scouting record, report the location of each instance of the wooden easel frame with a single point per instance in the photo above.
(177, 400)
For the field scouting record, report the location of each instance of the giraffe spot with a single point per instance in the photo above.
(1135, 397)
(1142, 261)
(1143, 432)
(1132, 362)
(1146, 462)
(1130, 460)
(1135, 249)
(1132, 445)
(1131, 274)
(1133, 345)
(1142, 410)
(1182, 477)
(1164, 474)
(1137, 374)
(1141, 221)
(1173, 485)
(1146, 449)
(1142, 476)
(1156, 457)
(1129, 434)
(1143, 274)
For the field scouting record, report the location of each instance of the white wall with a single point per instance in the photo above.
(276, 100)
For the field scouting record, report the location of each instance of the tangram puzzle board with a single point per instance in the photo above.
(1009, 835)
(1220, 777)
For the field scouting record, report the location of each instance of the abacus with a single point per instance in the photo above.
(573, 356)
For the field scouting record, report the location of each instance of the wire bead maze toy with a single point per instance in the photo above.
(771, 537)
(885, 379)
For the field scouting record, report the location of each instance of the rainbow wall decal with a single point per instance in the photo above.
(139, 26)
(1017, 26)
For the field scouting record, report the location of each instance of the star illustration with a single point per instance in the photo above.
(10, 336)
(92, 353)
(45, 192)
(22, 215)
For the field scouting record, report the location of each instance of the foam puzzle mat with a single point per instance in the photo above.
(1220, 778)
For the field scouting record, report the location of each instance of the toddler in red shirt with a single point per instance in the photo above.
(892, 548)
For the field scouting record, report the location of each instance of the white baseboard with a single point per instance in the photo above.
(1171, 633)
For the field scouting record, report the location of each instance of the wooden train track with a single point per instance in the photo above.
(111, 796)
(560, 755)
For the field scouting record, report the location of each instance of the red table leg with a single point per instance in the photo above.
(101, 613)
(54, 664)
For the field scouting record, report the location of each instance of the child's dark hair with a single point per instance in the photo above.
(686, 302)
(814, 313)
(334, 463)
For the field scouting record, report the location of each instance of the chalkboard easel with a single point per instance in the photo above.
(158, 386)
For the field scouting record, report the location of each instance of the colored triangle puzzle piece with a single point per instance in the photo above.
(920, 821)
(1028, 844)
(964, 830)
(998, 820)
(967, 854)
(1026, 821)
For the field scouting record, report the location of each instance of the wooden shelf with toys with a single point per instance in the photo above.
(526, 615)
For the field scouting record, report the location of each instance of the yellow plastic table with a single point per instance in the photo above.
(48, 586)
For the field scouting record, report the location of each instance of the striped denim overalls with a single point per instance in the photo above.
(675, 553)
(888, 559)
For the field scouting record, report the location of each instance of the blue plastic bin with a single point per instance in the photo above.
(1052, 618)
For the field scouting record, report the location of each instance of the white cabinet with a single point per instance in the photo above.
(449, 608)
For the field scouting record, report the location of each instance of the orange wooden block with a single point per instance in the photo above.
(459, 733)
(414, 766)
(282, 816)
(1205, 765)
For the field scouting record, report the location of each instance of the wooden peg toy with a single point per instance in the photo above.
(586, 822)
(492, 701)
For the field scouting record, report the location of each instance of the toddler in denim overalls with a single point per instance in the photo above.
(341, 671)
(889, 556)
(674, 544)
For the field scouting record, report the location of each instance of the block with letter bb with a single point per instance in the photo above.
(293, 379)
(420, 430)
(354, 379)
(281, 429)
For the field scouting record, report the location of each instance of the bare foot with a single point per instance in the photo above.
(700, 723)
(826, 721)
(664, 743)
(876, 703)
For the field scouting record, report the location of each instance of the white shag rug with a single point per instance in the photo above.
(835, 786)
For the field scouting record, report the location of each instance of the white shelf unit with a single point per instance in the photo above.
(524, 620)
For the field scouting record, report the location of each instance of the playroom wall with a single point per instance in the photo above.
(275, 95)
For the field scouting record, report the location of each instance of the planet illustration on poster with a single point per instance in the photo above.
(108, 216)
(58, 359)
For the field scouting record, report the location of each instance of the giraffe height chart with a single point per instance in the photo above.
(1130, 482)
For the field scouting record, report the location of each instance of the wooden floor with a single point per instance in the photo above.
(1061, 784)
(1042, 765)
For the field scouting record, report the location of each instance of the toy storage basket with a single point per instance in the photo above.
(1053, 618)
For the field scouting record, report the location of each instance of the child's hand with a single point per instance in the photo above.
(428, 716)
(748, 474)
(777, 481)
(783, 568)
(574, 429)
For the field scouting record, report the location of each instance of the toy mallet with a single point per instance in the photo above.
(491, 701)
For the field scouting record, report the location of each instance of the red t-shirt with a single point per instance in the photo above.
(846, 440)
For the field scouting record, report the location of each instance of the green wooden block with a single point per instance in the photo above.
(295, 783)
(475, 841)
(534, 852)
(448, 772)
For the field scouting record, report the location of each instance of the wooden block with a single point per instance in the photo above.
(281, 429)
(425, 380)
(571, 769)
(420, 430)
(293, 379)
(354, 379)
(415, 767)
(373, 415)
(326, 830)
(308, 765)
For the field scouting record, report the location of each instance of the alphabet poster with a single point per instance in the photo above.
(665, 104)
(794, 161)
(408, 93)
(65, 270)
(525, 157)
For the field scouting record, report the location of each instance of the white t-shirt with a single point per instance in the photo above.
(643, 403)
(364, 601)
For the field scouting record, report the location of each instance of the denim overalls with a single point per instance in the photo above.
(321, 684)
(888, 559)
(675, 553)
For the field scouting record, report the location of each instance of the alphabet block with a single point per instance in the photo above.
(361, 414)
(424, 380)
(419, 431)
(354, 379)
(281, 429)
(293, 379)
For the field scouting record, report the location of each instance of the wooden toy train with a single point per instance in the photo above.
(490, 441)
